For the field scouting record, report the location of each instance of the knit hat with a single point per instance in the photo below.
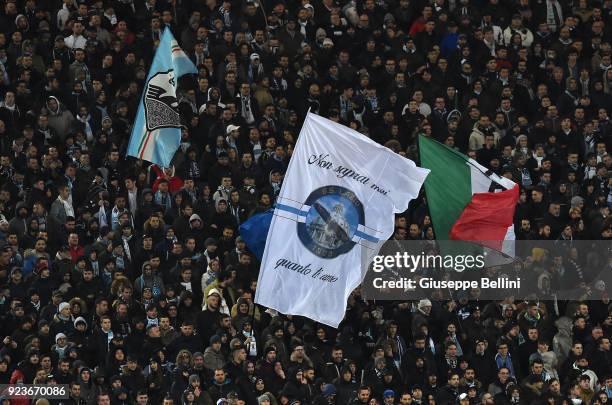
(62, 306)
(194, 217)
(329, 390)
(80, 319)
(388, 393)
(59, 336)
(424, 303)
(576, 200)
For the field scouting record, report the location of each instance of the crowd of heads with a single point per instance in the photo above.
(131, 283)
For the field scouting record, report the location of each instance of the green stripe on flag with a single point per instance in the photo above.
(448, 186)
(142, 140)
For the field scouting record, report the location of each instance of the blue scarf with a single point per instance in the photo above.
(505, 362)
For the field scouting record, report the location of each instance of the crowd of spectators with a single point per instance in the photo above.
(131, 283)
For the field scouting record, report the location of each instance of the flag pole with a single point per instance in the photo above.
(263, 11)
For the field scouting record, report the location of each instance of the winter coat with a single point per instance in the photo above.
(213, 360)
(60, 120)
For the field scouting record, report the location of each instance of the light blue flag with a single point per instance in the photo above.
(156, 134)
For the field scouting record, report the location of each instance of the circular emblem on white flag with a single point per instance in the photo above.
(334, 215)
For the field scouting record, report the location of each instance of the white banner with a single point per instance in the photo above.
(335, 209)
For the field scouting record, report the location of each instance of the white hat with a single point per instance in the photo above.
(328, 41)
(424, 303)
(59, 336)
(231, 128)
(80, 319)
(63, 305)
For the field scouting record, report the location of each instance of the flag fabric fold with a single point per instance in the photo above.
(254, 231)
(156, 134)
(335, 210)
(466, 200)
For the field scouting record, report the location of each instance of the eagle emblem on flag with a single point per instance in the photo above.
(160, 102)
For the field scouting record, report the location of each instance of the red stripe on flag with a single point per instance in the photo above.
(144, 147)
(486, 217)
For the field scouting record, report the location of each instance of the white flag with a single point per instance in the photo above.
(335, 210)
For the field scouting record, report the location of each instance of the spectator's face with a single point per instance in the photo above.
(364, 395)
(537, 368)
(187, 330)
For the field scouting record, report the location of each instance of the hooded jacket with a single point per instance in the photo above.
(61, 120)
(18, 224)
(213, 360)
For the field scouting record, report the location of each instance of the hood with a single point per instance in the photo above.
(22, 16)
(208, 95)
(59, 106)
(193, 217)
(80, 319)
(20, 205)
(564, 324)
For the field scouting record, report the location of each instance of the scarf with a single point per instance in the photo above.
(194, 169)
(9, 107)
(452, 362)
(95, 266)
(163, 200)
(126, 247)
(573, 97)
(88, 130)
(279, 84)
(112, 18)
(67, 206)
(504, 362)
(235, 210)
(585, 87)
(257, 150)
(303, 27)
(453, 338)
(346, 107)
(227, 18)
(115, 214)
(373, 102)
(553, 15)
(246, 112)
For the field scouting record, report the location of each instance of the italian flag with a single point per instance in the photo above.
(460, 202)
